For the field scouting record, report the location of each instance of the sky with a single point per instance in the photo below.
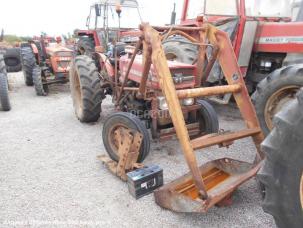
(56, 17)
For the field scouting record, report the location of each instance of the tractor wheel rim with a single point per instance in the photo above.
(301, 191)
(78, 92)
(277, 101)
(113, 137)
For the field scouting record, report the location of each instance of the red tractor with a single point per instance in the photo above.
(45, 61)
(107, 26)
(269, 48)
(152, 93)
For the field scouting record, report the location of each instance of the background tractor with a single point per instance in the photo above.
(104, 26)
(4, 97)
(269, 48)
(45, 61)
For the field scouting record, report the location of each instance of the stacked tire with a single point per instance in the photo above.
(12, 60)
(4, 98)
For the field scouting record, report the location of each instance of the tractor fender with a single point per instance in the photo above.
(104, 62)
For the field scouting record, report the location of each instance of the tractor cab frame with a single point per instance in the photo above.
(265, 41)
(251, 18)
(105, 25)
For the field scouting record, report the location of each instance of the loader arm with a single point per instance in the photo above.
(168, 196)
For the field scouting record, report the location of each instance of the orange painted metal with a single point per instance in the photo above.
(200, 143)
(153, 39)
(208, 91)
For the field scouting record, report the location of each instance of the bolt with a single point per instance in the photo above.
(235, 77)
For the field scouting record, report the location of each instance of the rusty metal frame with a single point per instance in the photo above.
(170, 196)
(129, 144)
(225, 55)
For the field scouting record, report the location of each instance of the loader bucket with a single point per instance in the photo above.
(221, 177)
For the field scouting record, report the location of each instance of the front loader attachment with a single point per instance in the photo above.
(221, 178)
(214, 182)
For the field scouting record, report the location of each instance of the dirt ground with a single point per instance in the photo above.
(49, 174)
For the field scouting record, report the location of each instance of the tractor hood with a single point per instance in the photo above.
(183, 74)
(55, 48)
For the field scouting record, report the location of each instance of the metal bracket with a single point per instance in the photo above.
(129, 142)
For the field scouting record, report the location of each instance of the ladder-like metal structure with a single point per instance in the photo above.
(210, 184)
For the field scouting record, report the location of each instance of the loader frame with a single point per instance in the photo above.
(214, 182)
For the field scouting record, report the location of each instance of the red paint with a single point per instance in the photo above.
(104, 62)
(269, 27)
(184, 11)
(241, 28)
(91, 33)
(137, 68)
(275, 29)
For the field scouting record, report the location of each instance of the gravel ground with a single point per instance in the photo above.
(49, 174)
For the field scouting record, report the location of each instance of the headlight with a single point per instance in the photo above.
(188, 101)
(162, 103)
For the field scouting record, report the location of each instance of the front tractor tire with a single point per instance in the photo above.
(40, 88)
(86, 90)
(282, 173)
(275, 92)
(127, 121)
(208, 118)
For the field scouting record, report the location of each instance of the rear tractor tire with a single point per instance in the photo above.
(86, 46)
(275, 92)
(127, 121)
(86, 90)
(282, 173)
(28, 63)
(180, 49)
(4, 98)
